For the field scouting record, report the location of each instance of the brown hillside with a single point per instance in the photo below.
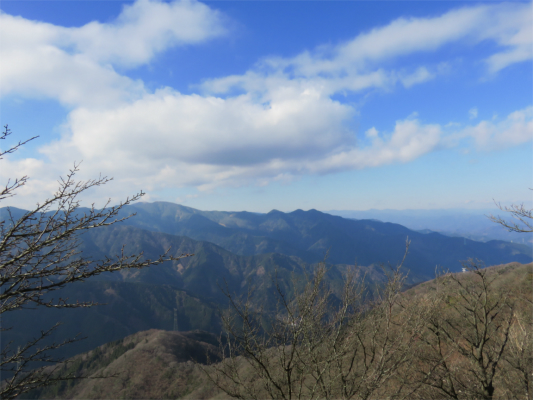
(153, 364)
(515, 277)
(159, 364)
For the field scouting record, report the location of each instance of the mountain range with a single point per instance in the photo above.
(311, 234)
(239, 252)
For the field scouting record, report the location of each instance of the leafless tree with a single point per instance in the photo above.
(520, 355)
(39, 253)
(11, 186)
(473, 340)
(522, 216)
(318, 345)
(517, 374)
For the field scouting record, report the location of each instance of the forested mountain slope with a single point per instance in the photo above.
(158, 364)
(310, 234)
(125, 308)
(144, 299)
(135, 300)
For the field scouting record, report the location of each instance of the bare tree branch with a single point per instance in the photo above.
(523, 217)
(39, 253)
(316, 344)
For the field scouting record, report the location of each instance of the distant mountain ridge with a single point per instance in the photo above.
(309, 235)
(472, 224)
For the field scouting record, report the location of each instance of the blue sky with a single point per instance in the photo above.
(260, 105)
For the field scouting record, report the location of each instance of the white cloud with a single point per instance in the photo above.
(143, 153)
(419, 76)
(46, 71)
(210, 142)
(371, 133)
(516, 129)
(356, 64)
(509, 25)
(178, 140)
(75, 65)
(410, 35)
(144, 29)
(512, 29)
(283, 125)
(472, 113)
(167, 126)
(409, 140)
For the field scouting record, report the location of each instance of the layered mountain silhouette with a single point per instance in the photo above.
(236, 252)
(311, 234)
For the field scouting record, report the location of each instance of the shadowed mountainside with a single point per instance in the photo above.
(134, 300)
(126, 308)
(204, 274)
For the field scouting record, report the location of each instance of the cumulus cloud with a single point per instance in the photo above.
(152, 158)
(284, 123)
(144, 29)
(76, 65)
(197, 154)
(212, 130)
(212, 134)
(409, 140)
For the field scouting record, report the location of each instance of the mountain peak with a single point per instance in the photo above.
(275, 212)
